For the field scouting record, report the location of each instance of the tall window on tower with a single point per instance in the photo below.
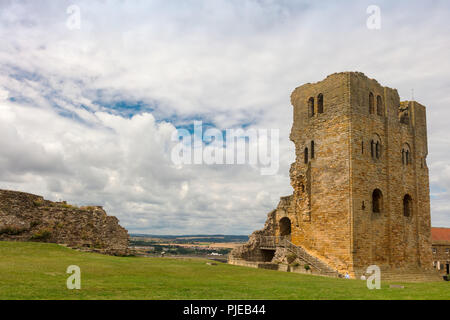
(311, 107)
(320, 103)
(371, 103)
(377, 201)
(406, 155)
(375, 147)
(312, 149)
(306, 155)
(407, 205)
(380, 110)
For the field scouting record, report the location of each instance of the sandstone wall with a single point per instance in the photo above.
(321, 186)
(251, 251)
(331, 210)
(389, 237)
(28, 217)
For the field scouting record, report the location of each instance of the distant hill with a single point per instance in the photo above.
(195, 237)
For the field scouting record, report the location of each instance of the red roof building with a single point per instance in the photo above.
(440, 239)
(440, 234)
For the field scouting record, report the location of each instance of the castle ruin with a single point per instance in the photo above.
(360, 184)
(28, 217)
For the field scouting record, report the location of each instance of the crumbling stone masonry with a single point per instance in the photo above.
(28, 217)
(360, 180)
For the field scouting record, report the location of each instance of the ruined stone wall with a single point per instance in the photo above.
(388, 237)
(368, 173)
(322, 185)
(422, 204)
(251, 250)
(331, 210)
(28, 217)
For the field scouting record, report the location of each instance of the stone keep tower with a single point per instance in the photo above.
(360, 179)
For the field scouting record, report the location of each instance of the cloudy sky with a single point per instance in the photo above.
(87, 110)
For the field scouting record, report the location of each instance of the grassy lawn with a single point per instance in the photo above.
(37, 271)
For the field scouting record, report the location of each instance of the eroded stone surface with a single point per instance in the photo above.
(333, 210)
(28, 217)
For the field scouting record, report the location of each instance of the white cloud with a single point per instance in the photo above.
(226, 62)
(125, 165)
(3, 94)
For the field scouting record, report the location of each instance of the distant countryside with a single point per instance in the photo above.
(215, 247)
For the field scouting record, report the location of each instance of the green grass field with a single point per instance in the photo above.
(38, 271)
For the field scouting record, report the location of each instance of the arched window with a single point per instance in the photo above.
(312, 149)
(377, 201)
(285, 227)
(406, 155)
(375, 147)
(320, 103)
(404, 117)
(371, 104)
(380, 111)
(306, 155)
(311, 106)
(407, 205)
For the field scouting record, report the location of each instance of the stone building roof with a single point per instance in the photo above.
(440, 234)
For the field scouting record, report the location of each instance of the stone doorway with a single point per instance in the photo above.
(285, 227)
(267, 255)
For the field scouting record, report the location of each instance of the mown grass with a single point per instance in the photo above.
(38, 271)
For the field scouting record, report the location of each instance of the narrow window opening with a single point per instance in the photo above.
(311, 107)
(379, 106)
(377, 198)
(407, 205)
(320, 103)
(371, 104)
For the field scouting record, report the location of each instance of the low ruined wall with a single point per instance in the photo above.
(250, 251)
(244, 263)
(273, 266)
(28, 217)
